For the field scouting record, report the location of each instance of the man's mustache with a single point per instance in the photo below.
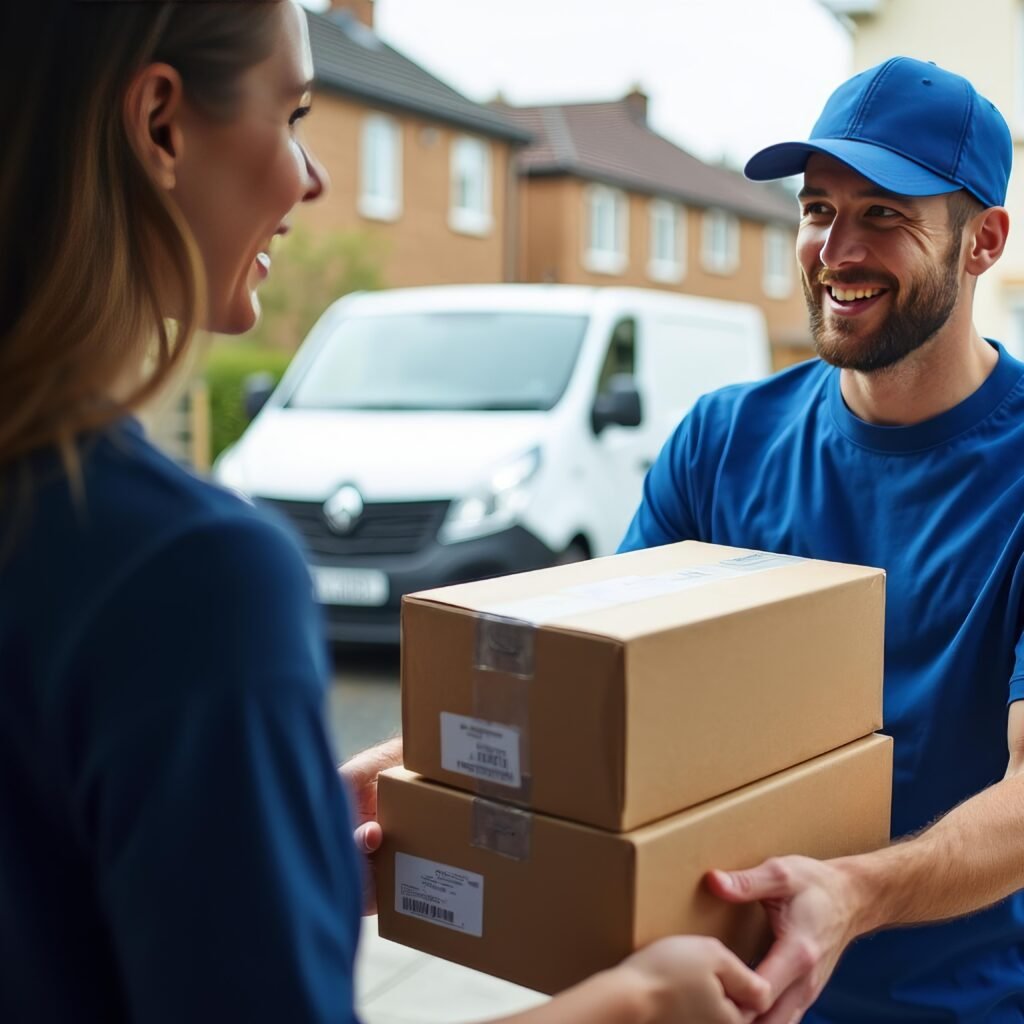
(845, 278)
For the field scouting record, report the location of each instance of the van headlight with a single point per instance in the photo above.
(494, 506)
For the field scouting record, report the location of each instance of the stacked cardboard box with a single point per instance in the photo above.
(589, 740)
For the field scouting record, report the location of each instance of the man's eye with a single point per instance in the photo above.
(882, 211)
(298, 115)
(814, 209)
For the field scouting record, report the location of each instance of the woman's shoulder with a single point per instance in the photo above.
(137, 523)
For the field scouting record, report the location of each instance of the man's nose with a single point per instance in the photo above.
(842, 246)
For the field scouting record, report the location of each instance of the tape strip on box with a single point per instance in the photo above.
(496, 741)
(504, 645)
(501, 829)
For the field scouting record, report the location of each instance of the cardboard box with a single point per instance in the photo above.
(565, 900)
(618, 691)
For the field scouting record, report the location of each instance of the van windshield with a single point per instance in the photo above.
(444, 361)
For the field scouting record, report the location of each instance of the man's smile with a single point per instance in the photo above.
(852, 300)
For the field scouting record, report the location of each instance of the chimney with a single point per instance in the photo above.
(362, 10)
(636, 104)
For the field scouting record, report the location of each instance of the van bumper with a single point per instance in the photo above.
(435, 565)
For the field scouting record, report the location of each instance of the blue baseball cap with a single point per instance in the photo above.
(910, 127)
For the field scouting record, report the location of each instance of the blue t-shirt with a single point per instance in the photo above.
(783, 465)
(175, 841)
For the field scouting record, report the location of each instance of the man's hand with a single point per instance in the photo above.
(814, 912)
(360, 775)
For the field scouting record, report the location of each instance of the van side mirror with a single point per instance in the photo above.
(618, 404)
(256, 389)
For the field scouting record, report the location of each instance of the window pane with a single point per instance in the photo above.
(663, 232)
(621, 356)
(469, 160)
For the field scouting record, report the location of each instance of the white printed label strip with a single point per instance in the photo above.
(587, 597)
(481, 750)
(439, 893)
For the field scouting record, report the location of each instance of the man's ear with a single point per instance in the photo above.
(985, 238)
(152, 115)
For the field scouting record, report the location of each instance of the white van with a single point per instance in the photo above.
(426, 436)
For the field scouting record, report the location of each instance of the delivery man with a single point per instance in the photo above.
(902, 447)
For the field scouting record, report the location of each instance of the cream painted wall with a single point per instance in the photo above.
(988, 51)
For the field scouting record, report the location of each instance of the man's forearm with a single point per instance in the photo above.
(969, 859)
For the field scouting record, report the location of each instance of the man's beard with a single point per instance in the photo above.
(913, 321)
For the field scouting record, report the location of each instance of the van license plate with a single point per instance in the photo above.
(364, 587)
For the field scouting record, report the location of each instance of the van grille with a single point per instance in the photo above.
(386, 528)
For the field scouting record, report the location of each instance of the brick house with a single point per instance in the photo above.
(423, 171)
(606, 200)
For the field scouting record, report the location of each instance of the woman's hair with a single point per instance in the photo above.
(88, 243)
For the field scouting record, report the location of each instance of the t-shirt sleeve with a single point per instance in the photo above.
(204, 790)
(668, 510)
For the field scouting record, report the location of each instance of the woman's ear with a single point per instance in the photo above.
(152, 114)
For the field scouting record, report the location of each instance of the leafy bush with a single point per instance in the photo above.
(309, 272)
(227, 366)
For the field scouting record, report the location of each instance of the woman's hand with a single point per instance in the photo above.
(360, 775)
(696, 980)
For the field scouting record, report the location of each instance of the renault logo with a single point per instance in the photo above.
(343, 509)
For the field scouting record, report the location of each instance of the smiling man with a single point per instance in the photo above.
(901, 447)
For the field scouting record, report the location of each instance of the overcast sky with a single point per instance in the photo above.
(724, 77)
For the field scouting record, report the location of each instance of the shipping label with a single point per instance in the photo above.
(439, 893)
(482, 750)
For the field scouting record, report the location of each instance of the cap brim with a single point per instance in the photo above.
(889, 170)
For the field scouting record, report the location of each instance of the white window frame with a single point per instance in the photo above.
(667, 267)
(380, 168)
(606, 249)
(471, 157)
(779, 261)
(720, 242)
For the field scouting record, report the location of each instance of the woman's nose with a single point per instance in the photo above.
(319, 181)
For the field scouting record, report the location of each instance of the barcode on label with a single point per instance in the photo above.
(425, 909)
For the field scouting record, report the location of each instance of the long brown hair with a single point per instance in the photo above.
(85, 235)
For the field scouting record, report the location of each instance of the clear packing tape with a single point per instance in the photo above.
(503, 670)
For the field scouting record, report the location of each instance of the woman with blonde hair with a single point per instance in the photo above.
(176, 842)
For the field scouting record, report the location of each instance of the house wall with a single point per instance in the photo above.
(553, 240)
(418, 247)
(992, 59)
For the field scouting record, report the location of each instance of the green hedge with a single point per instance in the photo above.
(227, 366)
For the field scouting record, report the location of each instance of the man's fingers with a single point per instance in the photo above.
(789, 1007)
(743, 986)
(768, 881)
(789, 962)
(368, 837)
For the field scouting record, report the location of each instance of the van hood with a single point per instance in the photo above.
(306, 455)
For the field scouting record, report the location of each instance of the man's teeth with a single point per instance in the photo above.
(263, 259)
(848, 295)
